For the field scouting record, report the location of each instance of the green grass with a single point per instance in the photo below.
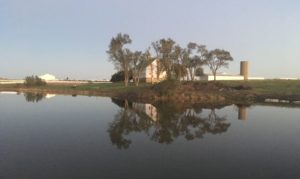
(101, 87)
(113, 87)
(280, 87)
(263, 87)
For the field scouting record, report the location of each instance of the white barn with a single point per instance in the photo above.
(149, 75)
(48, 77)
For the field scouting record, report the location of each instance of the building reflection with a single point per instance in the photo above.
(164, 123)
(148, 109)
(48, 96)
(243, 113)
(37, 97)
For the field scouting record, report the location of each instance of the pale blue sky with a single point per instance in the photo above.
(70, 37)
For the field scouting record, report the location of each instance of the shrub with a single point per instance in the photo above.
(167, 87)
(119, 76)
(242, 87)
(34, 81)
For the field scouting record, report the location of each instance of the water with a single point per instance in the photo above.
(94, 137)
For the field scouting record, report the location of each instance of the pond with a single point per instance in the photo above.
(52, 136)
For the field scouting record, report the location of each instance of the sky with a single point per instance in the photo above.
(69, 38)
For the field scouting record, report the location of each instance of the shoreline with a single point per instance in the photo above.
(187, 92)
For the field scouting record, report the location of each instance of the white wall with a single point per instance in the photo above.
(256, 78)
(223, 77)
(11, 81)
(151, 71)
(228, 77)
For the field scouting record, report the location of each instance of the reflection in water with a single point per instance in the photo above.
(36, 97)
(8, 92)
(243, 113)
(68, 138)
(148, 109)
(127, 120)
(48, 96)
(163, 123)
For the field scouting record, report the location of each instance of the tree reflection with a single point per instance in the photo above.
(164, 124)
(127, 120)
(34, 97)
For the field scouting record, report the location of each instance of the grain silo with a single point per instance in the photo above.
(244, 69)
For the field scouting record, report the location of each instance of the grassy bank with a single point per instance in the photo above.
(273, 89)
(208, 92)
(99, 89)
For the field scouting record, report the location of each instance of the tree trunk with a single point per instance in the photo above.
(126, 104)
(135, 78)
(126, 81)
(179, 75)
(169, 75)
(191, 73)
(126, 77)
(151, 67)
(157, 70)
(215, 76)
(138, 81)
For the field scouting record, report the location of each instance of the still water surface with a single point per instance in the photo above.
(95, 137)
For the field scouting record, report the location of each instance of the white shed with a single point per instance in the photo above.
(48, 77)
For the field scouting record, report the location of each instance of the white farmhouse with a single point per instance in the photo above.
(48, 77)
(150, 74)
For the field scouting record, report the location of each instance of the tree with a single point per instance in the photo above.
(179, 67)
(34, 81)
(179, 71)
(199, 72)
(156, 48)
(119, 55)
(216, 59)
(166, 55)
(193, 57)
(119, 76)
(139, 62)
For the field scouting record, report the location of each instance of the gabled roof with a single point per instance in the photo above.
(47, 76)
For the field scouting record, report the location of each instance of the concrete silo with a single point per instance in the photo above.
(244, 69)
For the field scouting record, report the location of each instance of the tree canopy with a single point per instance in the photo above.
(178, 62)
(217, 59)
(119, 55)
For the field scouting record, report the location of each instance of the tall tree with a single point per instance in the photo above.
(135, 60)
(217, 59)
(120, 56)
(139, 62)
(180, 70)
(156, 47)
(194, 57)
(166, 55)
